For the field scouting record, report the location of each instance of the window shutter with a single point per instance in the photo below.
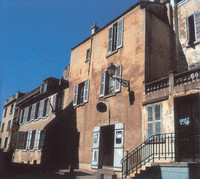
(54, 101)
(33, 111)
(25, 139)
(114, 37)
(37, 138)
(118, 74)
(197, 25)
(41, 140)
(48, 106)
(28, 140)
(21, 116)
(25, 114)
(32, 140)
(110, 34)
(75, 95)
(41, 110)
(86, 90)
(190, 27)
(120, 29)
(102, 84)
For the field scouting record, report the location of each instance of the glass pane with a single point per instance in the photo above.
(158, 128)
(157, 112)
(150, 118)
(118, 137)
(150, 129)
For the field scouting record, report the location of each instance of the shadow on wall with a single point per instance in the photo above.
(182, 64)
(61, 143)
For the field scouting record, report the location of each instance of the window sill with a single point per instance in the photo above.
(81, 104)
(192, 45)
(111, 53)
(109, 95)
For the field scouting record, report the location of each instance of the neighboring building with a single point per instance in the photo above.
(38, 109)
(8, 119)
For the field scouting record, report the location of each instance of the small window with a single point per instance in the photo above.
(44, 88)
(5, 111)
(109, 85)
(154, 120)
(81, 93)
(6, 141)
(2, 127)
(193, 28)
(115, 36)
(11, 108)
(8, 126)
(87, 55)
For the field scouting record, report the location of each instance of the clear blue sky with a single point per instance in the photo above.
(36, 37)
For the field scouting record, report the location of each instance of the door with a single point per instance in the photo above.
(187, 127)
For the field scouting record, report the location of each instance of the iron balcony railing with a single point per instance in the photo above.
(157, 147)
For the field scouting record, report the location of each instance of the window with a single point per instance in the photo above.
(41, 109)
(28, 142)
(108, 85)
(11, 108)
(5, 111)
(21, 140)
(29, 113)
(193, 28)
(37, 110)
(154, 120)
(44, 88)
(32, 139)
(46, 106)
(21, 116)
(6, 141)
(81, 93)
(2, 127)
(8, 126)
(87, 55)
(115, 36)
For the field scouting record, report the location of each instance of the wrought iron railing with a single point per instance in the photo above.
(157, 85)
(187, 77)
(157, 147)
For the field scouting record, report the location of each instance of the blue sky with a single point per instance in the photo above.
(36, 37)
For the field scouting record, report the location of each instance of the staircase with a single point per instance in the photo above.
(157, 148)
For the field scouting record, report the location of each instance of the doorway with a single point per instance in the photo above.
(106, 146)
(187, 128)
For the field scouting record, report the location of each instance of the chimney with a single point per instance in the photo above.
(94, 28)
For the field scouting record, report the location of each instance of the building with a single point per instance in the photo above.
(8, 119)
(40, 115)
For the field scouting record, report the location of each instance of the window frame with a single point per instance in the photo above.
(5, 112)
(86, 88)
(154, 121)
(104, 85)
(113, 38)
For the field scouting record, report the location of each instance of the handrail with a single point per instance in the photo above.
(159, 146)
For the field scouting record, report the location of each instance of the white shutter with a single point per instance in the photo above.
(86, 91)
(48, 106)
(197, 25)
(37, 139)
(118, 74)
(33, 111)
(75, 99)
(54, 101)
(110, 34)
(118, 145)
(95, 147)
(21, 116)
(120, 29)
(102, 84)
(25, 114)
(28, 140)
(41, 110)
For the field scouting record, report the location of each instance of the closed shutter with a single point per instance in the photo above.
(41, 110)
(102, 84)
(37, 138)
(20, 140)
(110, 34)
(95, 147)
(197, 25)
(54, 102)
(75, 95)
(25, 139)
(157, 111)
(28, 140)
(118, 74)
(86, 90)
(120, 29)
(190, 27)
(118, 145)
(33, 111)
(48, 106)
(26, 114)
(21, 116)
(150, 122)
(32, 139)
(41, 139)
(114, 38)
